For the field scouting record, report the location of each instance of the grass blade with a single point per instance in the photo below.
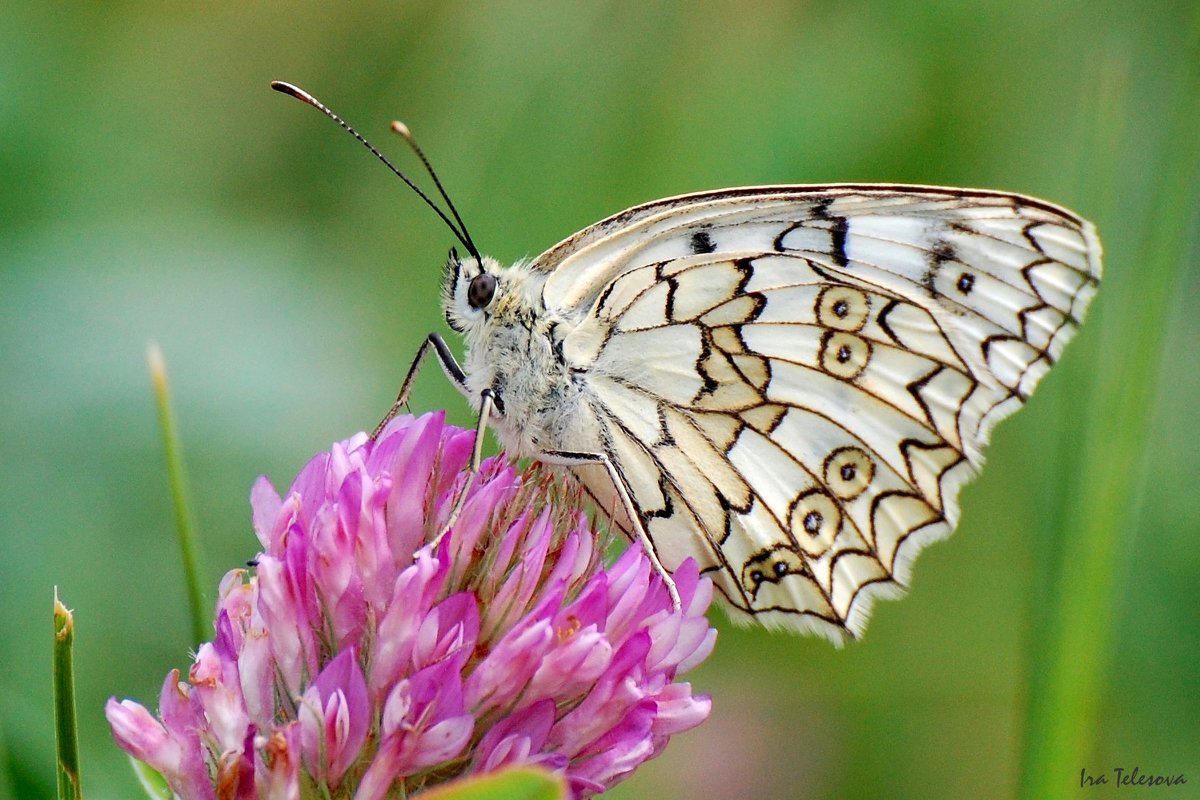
(179, 494)
(65, 725)
(1071, 651)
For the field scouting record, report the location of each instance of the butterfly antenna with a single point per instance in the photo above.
(305, 97)
(403, 130)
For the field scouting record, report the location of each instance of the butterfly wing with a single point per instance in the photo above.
(796, 382)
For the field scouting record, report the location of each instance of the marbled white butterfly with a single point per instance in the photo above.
(789, 384)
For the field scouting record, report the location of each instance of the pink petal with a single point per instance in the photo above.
(335, 716)
(266, 504)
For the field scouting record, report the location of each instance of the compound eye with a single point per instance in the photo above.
(481, 290)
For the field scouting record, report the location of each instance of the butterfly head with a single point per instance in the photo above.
(471, 289)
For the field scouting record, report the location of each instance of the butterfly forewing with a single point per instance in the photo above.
(795, 382)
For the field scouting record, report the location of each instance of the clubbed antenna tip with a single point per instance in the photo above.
(459, 230)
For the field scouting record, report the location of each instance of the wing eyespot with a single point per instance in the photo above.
(844, 355)
(842, 308)
(848, 471)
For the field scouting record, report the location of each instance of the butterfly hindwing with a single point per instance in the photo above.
(795, 382)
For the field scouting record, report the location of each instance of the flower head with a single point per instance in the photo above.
(356, 658)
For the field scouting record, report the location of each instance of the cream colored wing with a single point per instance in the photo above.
(795, 382)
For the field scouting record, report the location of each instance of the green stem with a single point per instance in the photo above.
(179, 494)
(65, 724)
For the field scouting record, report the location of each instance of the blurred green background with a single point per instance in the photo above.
(152, 187)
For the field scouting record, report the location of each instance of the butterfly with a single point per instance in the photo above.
(788, 384)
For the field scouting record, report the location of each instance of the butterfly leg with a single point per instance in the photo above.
(564, 458)
(449, 366)
(487, 402)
